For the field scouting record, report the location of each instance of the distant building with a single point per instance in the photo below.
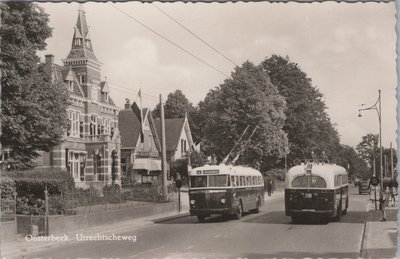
(91, 147)
(140, 161)
(179, 141)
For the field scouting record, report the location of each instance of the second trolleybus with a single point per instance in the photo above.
(316, 189)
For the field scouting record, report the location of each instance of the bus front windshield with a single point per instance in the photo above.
(209, 181)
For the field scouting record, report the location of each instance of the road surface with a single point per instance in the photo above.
(267, 234)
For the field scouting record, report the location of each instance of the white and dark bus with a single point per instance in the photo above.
(316, 189)
(225, 190)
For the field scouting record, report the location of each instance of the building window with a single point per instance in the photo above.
(71, 86)
(93, 124)
(74, 165)
(106, 126)
(183, 147)
(150, 142)
(74, 118)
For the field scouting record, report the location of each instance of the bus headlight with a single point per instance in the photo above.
(193, 202)
(223, 201)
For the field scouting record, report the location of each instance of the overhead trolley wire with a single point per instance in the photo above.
(195, 35)
(168, 40)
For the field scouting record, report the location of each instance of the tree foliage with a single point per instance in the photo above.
(357, 168)
(369, 151)
(308, 125)
(33, 109)
(178, 106)
(246, 98)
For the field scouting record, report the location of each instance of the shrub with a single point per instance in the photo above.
(34, 182)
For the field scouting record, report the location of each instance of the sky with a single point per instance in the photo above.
(348, 50)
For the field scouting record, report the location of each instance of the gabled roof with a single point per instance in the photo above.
(173, 129)
(129, 127)
(59, 74)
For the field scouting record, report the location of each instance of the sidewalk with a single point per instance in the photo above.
(380, 238)
(22, 248)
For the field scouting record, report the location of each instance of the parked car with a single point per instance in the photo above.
(363, 187)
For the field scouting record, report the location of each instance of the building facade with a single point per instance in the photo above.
(91, 146)
(140, 160)
(178, 139)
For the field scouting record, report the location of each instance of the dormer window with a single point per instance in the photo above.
(88, 43)
(81, 79)
(71, 86)
(78, 41)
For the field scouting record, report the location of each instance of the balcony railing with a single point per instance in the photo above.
(97, 138)
(147, 154)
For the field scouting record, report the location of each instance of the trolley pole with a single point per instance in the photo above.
(163, 152)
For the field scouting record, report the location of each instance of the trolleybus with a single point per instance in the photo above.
(316, 189)
(225, 190)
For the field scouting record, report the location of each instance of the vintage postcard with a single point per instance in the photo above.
(198, 130)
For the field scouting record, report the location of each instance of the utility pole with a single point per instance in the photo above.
(386, 166)
(391, 161)
(163, 152)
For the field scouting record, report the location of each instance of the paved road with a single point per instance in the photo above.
(267, 234)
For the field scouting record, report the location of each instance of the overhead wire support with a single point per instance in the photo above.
(168, 40)
(240, 138)
(195, 35)
(245, 145)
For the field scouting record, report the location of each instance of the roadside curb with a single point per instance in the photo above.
(363, 237)
(172, 217)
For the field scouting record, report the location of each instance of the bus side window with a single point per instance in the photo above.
(233, 181)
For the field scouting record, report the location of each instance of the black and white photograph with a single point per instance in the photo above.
(198, 130)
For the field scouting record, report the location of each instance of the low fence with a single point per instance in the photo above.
(8, 208)
(92, 200)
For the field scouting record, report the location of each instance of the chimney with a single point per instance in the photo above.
(127, 104)
(49, 59)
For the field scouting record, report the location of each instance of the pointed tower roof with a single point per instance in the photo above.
(81, 43)
(104, 86)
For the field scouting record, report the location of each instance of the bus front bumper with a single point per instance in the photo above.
(311, 212)
(207, 212)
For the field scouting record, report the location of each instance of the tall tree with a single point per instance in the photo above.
(246, 98)
(357, 168)
(177, 106)
(308, 125)
(34, 110)
(368, 150)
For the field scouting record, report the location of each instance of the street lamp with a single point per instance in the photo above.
(377, 106)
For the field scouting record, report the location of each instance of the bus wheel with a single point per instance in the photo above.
(201, 218)
(239, 211)
(339, 213)
(347, 205)
(295, 219)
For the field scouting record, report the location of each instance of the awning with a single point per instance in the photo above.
(147, 164)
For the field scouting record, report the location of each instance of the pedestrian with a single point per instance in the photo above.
(269, 187)
(383, 197)
(393, 194)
